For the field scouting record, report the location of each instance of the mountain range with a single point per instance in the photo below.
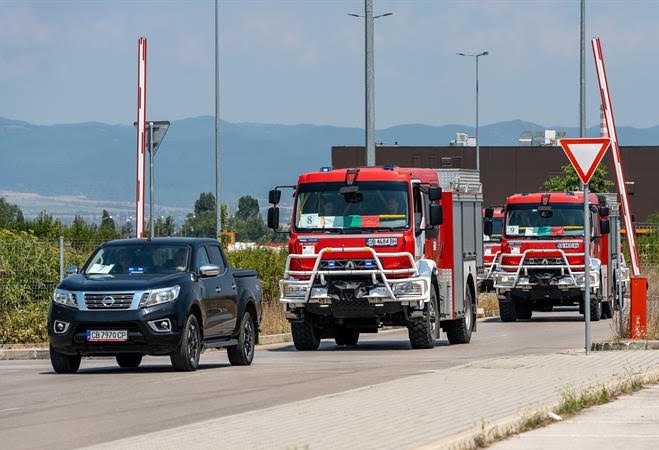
(93, 163)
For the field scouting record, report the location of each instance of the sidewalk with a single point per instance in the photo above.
(439, 409)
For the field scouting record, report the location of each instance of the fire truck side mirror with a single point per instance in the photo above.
(487, 228)
(436, 215)
(273, 217)
(605, 227)
(434, 193)
(489, 213)
(274, 196)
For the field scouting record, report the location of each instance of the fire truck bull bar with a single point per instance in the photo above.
(508, 277)
(413, 289)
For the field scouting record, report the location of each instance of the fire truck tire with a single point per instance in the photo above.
(595, 308)
(523, 310)
(346, 336)
(507, 310)
(459, 331)
(422, 333)
(305, 336)
(607, 310)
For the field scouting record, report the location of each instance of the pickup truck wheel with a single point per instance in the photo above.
(129, 360)
(422, 333)
(507, 310)
(346, 336)
(186, 356)
(459, 331)
(305, 336)
(243, 353)
(64, 363)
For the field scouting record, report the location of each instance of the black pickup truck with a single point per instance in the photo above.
(161, 296)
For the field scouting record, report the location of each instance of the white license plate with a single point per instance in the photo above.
(107, 335)
(382, 242)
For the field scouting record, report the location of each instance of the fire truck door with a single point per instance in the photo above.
(419, 222)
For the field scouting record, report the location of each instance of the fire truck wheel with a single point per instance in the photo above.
(459, 331)
(524, 310)
(607, 310)
(595, 308)
(507, 310)
(305, 336)
(422, 333)
(346, 336)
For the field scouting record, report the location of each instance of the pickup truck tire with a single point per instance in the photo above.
(422, 333)
(186, 356)
(129, 360)
(243, 353)
(346, 336)
(507, 311)
(459, 331)
(64, 363)
(305, 336)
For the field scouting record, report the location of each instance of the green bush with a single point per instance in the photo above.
(269, 264)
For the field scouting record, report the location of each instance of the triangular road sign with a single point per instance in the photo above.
(585, 154)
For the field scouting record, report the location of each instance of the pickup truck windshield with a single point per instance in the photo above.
(132, 259)
(377, 205)
(533, 220)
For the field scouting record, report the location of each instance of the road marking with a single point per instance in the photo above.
(8, 409)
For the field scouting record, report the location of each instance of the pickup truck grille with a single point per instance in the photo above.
(109, 301)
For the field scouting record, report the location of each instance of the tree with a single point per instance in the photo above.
(569, 181)
(202, 222)
(11, 216)
(45, 226)
(248, 207)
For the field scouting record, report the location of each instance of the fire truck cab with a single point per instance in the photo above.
(381, 246)
(541, 262)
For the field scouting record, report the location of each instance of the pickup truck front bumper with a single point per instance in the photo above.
(151, 331)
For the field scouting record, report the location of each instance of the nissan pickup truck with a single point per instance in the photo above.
(161, 296)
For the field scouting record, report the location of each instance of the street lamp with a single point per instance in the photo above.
(485, 53)
(370, 80)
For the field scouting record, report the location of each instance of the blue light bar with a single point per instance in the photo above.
(325, 168)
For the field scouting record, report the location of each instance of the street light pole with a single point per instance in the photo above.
(151, 156)
(369, 141)
(485, 53)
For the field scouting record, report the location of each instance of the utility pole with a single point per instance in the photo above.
(218, 220)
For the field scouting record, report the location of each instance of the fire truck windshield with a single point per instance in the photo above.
(532, 220)
(376, 205)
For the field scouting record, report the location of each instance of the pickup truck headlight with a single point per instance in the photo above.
(158, 296)
(65, 298)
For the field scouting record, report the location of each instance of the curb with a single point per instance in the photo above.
(640, 344)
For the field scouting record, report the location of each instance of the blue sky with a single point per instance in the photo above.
(302, 61)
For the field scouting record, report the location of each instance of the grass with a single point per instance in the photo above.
(274, 321)
(490, 304)
(571, 403)
(651, 272)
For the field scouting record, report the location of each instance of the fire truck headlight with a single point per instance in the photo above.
(506, 279)
(409, 289)
(293, 290)
(580, 279)
(318, 292)
(380, 292)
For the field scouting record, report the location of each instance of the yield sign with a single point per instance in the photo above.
(585, 154)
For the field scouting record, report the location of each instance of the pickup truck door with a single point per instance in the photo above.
(224, 314)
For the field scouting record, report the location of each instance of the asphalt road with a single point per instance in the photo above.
(39, 409)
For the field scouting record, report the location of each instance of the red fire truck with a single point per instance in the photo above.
(541, 263)
(382, 246)
(491, 248)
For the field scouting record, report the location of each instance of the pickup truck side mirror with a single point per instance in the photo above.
(274, 196)
(209, 270)
(487, 227)
(273, 217)
(436, 215)
(71, 271)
